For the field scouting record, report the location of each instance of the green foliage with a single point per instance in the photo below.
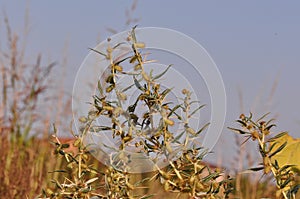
(185, 175)
(277, 153)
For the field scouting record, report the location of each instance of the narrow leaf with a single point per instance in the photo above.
(203, 128)
(238, 131)
(197, 109)
(257, 168)
(137, 84)
(161, 74)
(98, 52)
(277, 136)
(242, 123)
(278, 150)
(262, 117)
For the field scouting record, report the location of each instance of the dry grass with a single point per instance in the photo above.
(25, 167)
(24, 119)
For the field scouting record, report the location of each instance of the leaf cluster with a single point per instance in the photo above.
(269, 147)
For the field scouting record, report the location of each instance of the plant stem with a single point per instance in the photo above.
(261, 143)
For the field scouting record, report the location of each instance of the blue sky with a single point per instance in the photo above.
(253, 43)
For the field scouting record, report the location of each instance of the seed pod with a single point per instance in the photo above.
(242, 116)
(133, 59)
(49, 191)
(110, 88)
(140, 45)
(249, 126)
(166, 186)
(168, 135)
(84, 166)
(169, 122)
(137, 67)
(166, 107)
(184, 91)
(199, 186)
(108, 179)
(92, 114)
(118, 133)
(110, 79)
(117, 111)
(130, 186)
(123, 96)
(190, 131)
(142, 97)
(85, 157)
(118, 68)
(70, 165)
(77, 142)
(255, 135)
(127, 138)
(192, 179)
(169, 148)
(82, 119)
(267, 167)
(266, 132)
(108, 108)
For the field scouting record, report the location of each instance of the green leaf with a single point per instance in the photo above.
(242, 123)
(173, 110)
(119, 44)
(293, 191)
(141, 181)
(137, 84)
(272, 146)
(178, 137)
(133, 34)
(197, 109)
(238, 131)
(100, 89)
(278, 149)
(211, 176)
(122, 60)
(277, 136)
(262, 117)
(285, 183)
(270, 126)
(275, 164)
(257, 168)
(285, 167)
(269, 122)
(165, 92)
(55, 129)
(202, 129)
(100, 128)
(161, 74)
(98, 52)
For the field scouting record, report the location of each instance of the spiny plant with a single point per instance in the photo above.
(270, 146)
(184, 172)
